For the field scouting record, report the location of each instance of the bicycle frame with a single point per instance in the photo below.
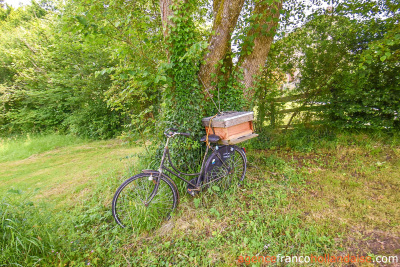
(177, 172)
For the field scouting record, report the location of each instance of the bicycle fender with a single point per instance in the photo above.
(150, 172)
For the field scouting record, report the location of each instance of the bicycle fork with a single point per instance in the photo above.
(160, 173)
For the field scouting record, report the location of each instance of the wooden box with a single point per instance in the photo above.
(233, 127)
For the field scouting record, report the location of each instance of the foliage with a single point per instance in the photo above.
(268, 87)
(306, 139)
(347, 58)
(94, 69)
(362, 89)
(50, 82)
(183, 101)
(132, 30)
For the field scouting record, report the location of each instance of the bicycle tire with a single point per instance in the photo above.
(231, 171)
(128, 208)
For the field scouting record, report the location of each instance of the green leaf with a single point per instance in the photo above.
(197, 202)
(216, 188)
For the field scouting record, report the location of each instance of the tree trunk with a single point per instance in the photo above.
(226, 13)
(167, 13)
(262, 32)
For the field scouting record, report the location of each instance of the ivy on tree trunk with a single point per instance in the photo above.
(226, 14)
(258, 42)
(255, 47)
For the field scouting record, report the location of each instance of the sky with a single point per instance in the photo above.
(17, 3)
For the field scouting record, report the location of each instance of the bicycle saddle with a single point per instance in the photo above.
(212, 138)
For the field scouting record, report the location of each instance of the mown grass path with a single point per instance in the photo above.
(63, 172)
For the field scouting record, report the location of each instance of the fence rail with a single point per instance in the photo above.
(304, 106)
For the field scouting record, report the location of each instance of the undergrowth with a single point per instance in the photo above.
(311, 139)
(275, 212)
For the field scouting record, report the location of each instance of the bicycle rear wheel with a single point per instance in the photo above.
(222, 171)
(129, 206)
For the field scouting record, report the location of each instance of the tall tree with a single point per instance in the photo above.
(255, 47)
(261, 33)
(225, 17)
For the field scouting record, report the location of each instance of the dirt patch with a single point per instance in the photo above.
(376, 242)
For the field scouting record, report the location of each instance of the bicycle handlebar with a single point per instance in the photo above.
(172, 132)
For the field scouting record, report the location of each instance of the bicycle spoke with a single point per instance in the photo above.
(231, 171)
(131, 206)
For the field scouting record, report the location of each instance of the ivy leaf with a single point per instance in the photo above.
(216, 188)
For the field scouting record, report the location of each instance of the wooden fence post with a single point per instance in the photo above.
(273, 114)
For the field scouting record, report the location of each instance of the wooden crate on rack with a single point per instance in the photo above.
(233, 127)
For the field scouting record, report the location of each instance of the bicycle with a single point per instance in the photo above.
(152, 195)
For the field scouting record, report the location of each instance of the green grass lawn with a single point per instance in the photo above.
(337, 198)
(58, 167)
(353, 193)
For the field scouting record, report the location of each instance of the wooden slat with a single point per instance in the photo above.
(312, 123)
(292, 98)
(233, 131)
(230, 119)
(289, 98)
(320, 107)
(238, 140)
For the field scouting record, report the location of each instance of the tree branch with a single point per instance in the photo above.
(127, 41)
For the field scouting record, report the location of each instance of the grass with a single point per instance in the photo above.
(22, 147)
(61, 169)
(48, 197)
(353, 190)
(339, 195)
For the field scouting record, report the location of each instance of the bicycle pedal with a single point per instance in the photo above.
(191, 189)
(191, 192)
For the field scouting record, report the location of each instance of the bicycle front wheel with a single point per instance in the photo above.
(130, 207)
(225, 166)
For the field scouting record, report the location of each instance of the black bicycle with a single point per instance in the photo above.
(152, 195)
